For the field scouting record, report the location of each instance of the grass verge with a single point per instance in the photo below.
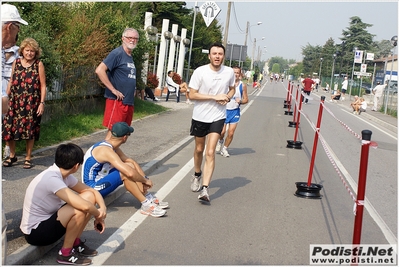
(67, 127)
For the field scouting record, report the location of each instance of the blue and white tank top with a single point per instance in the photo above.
(92, 169)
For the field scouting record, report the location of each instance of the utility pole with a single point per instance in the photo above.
(253, 54)
(246, 34)
(226, 30)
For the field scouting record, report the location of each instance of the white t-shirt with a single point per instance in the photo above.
(345, 84)
(40, 201)
(363, 105)
(209, 82)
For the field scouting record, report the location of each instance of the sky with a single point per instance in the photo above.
(289, 26)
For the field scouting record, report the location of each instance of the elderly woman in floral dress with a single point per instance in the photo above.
(27, 92)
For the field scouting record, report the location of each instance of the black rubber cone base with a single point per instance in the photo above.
(286, 101)
(287, 106)
(292, 124)
(294, 144)
(305, 191)
(287, 112)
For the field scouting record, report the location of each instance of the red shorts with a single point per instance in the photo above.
(116, 111)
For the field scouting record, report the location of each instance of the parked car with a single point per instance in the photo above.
(367, 88)
(392, 86)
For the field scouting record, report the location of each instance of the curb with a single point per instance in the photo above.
(29, 253)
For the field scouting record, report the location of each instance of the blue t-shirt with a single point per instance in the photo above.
(122, 75)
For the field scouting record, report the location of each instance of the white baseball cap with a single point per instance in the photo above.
(10, 13)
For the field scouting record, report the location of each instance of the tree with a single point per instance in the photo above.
(283, 64)
(276, 68)
(356, 35)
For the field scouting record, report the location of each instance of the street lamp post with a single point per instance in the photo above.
(342, 57)
(177, 39)
(153, 36)
(192, 40)
(246, 32)
(321, 62)
(394, 42)
(353, 69)
(168, 36)
(332, 71)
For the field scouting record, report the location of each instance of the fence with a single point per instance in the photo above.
(76, 91)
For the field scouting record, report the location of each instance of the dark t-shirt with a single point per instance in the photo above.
(122, 74)
(308, 84)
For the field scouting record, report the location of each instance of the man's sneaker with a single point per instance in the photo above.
(73, 259)
(204, 195)
(219, 145)
(84, 250)
(156, 99)
(161, 204)
(195, 183)
(153, 210)
(224, 152)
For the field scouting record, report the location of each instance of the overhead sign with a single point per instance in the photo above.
(236, 52)
(358, 73)
(358, 56)
(369, 56)
(363, 68)
(209, 11)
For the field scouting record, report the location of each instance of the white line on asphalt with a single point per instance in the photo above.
(389, 235)
(116, 239)
(124, 231)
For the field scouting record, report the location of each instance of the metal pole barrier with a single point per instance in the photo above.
(294, 143)
(293, 122)
(361, 187)
(289, 112)
(309, 189)
(288, 92)
(316, 139)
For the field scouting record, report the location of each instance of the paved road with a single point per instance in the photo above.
(253, 217)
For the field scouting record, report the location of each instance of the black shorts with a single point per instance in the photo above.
(201, 129)
(47, 232)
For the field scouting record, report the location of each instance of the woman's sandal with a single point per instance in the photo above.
(27, 164)
(8, 162)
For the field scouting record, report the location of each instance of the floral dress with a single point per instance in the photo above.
(21, 121)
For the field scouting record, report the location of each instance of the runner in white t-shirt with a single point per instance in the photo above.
(211, 88)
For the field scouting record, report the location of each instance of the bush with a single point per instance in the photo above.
(152, 80)
(176, 78)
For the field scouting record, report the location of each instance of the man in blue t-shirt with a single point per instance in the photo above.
(118, 73)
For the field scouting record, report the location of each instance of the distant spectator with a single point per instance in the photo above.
(377, 91)
(336, 96)
(344, 87)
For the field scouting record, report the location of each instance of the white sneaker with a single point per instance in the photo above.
(343, 98)
(161, 204)
(156, 99)
(153, 210)
(224, 152)
(195, 183)
(219, 145)
(204, 195)
(155, 200)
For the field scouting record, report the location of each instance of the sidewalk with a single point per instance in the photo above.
(156, 139)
